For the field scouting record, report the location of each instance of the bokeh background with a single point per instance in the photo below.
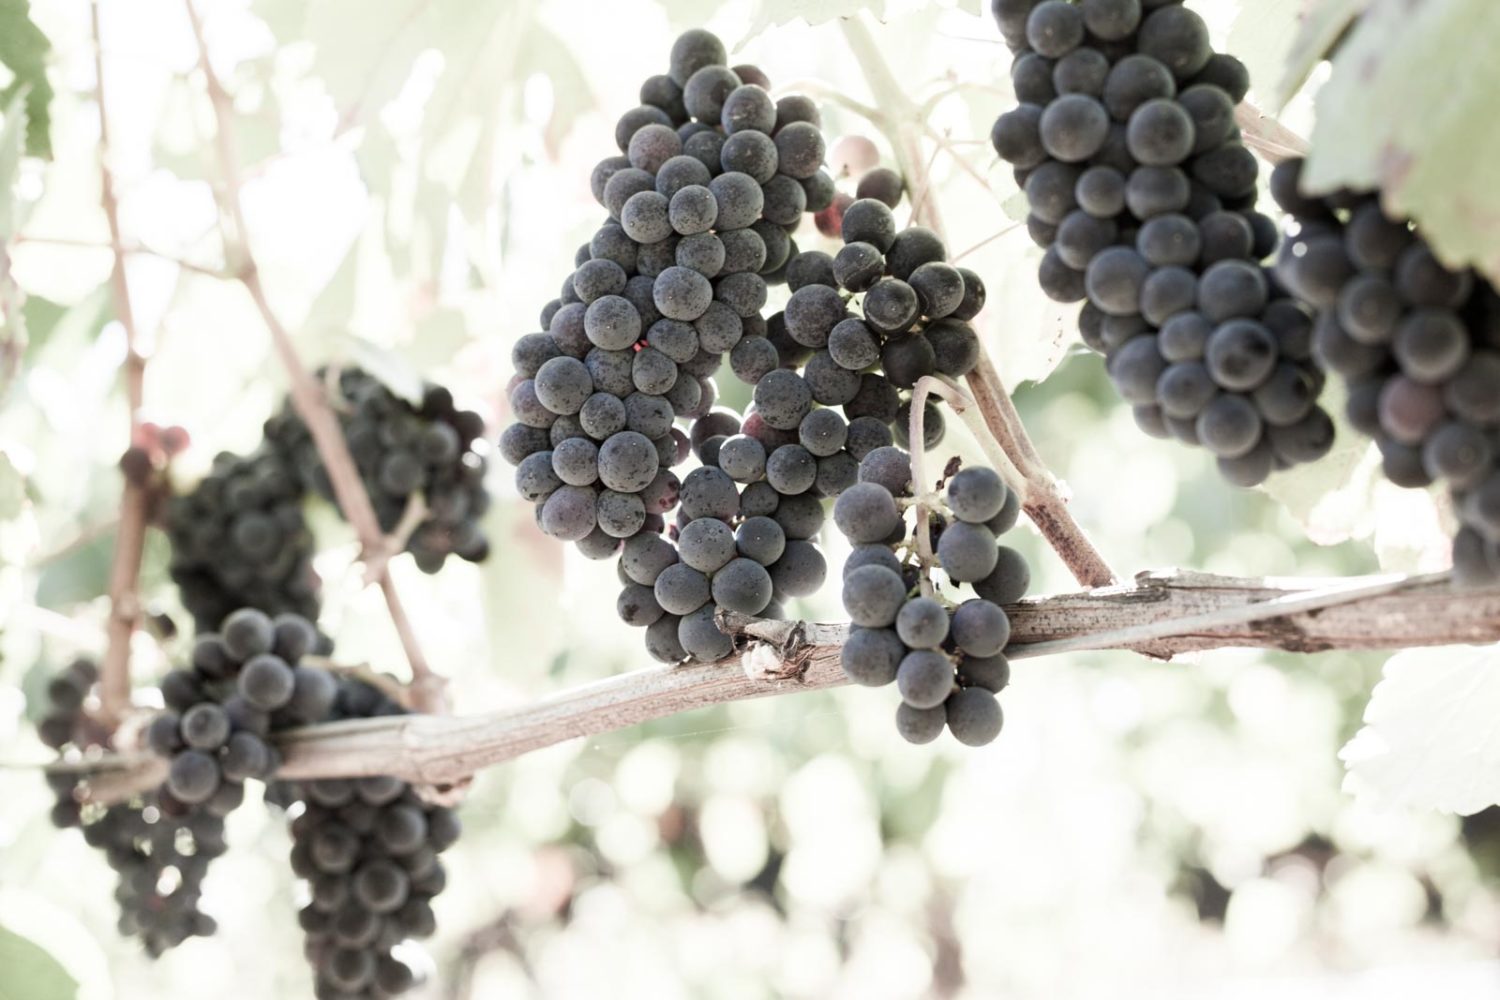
(416, 184)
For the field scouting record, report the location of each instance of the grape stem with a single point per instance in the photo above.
(1267, 136)
(1159, 615)
(128, 249)
(308, 398)
(130, 534)
(1042, 499)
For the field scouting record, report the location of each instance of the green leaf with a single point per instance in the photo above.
(1406, 111)
(12, 489)
(80, 575)
(30, 972)
(23, 48)
(770, 13)
(12, 145)
(1321, 27)
(1262, 33)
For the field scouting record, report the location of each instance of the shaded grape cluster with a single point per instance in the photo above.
(402, 450)
(239, 539)
(1418, 344)
(368, 849)
(712, 178)
(946, 658)
(1143, 196)
(160, 854)
(244, 682)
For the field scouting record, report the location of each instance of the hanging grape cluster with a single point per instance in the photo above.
(1143, 197)
(947, 660)
(403, 451)
(368, 849)
(245, 681)
(1418, 344)
(160, 853)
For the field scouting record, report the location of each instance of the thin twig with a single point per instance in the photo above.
(1159, 615)
(308, 399)
(133, 249)
(1044, 503)
(1267, 136)
(130, 538)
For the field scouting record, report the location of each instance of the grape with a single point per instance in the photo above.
(980, 627)
(628, 461)
(1178, 38)
(882, 184)
(739, 200)
(823, 432)
(1212, 114)
(810, 267)
(1169, 240)
(800, 570)
(1100, 191)
(1308, 440)
(1031, 78)
(1374, 242)
(744, 293)
(1054, 28)
(1337, 351)
(753, 154)
(908, 358)
(1431, 344)
(791, 469)
(193, 776)
(742, 585)
(797, 108)
(1471, 395)
(1459, 453)
(811, 314)
(1167, 292)
(622, 186)
(743, 458)
(955, 347)
(1133, 81)
(1227, 73)
(919, 725)
(976, 494)
(709, 492)
(800, 517)
(1049, 191)
(1152, 191)
(1422, 280)
(204, 726)
(700, 637)
(1184, 389)
(1241, 354)
(1224, 236)
(973, 716)
(1073, 127)
(924, 678)
(869, 221)
(1229, 426)
(966, 552)
(760, 539)
(706, 544)
(266, 682)
(1410, 410)
(1114, 280)
(1135, 369)
(1230, 289)
(1287, 396)
(248, 632)
(693, 50)
(1160, 133)
(748, 107)
(1007, 583)
(800, 148)
(866, 512)
(1111, 20)
(989, 673)
(871, 656)
(1368, 308)
(1081, 236)
(873, 595)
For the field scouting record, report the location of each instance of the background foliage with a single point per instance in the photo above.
(416, 186)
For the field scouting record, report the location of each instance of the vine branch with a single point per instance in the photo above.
(1042, 500)
(1160, 615)
(308, 399)
(130, 534)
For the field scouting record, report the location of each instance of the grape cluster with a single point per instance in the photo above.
(1143, 197)
(1418, 344)
(245, 681)
(161, 855)
(239, 539)
(713, 177)
(368, 848)
(402, 451)
(947, 661)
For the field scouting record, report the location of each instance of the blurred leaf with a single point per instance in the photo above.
(12, 145)
(1262, 34)
(80, 575)
(1322, 25)
(393, 371)
(30, 973)
(12, 489)
(23, 48)
(1331, 498)
(1412, 86)
(572, 96)
(1428, 739)
(770, 13)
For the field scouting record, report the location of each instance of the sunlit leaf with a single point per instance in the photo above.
(12, 489)
(1404, 112)
(770, 13)
(77, 576)
(1428, 738)
(1323, 22)
(30, 973)
(24, 50)
(12, 146)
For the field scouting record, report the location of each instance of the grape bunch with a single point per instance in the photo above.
(160, 855)
(239, 539)
(245, 681)
(713, 177)
(402, 450)
(1143, 197)
(368, 849)
(1418, 345)
(948, 661)
(857, 158)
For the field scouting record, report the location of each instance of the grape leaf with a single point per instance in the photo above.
(1403, 111)
(1321, 27)
(12, 489)
(1262, 33)
(12, 145)
(770, 13)
(31, 973)
(23, 49)
(1429, 740)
